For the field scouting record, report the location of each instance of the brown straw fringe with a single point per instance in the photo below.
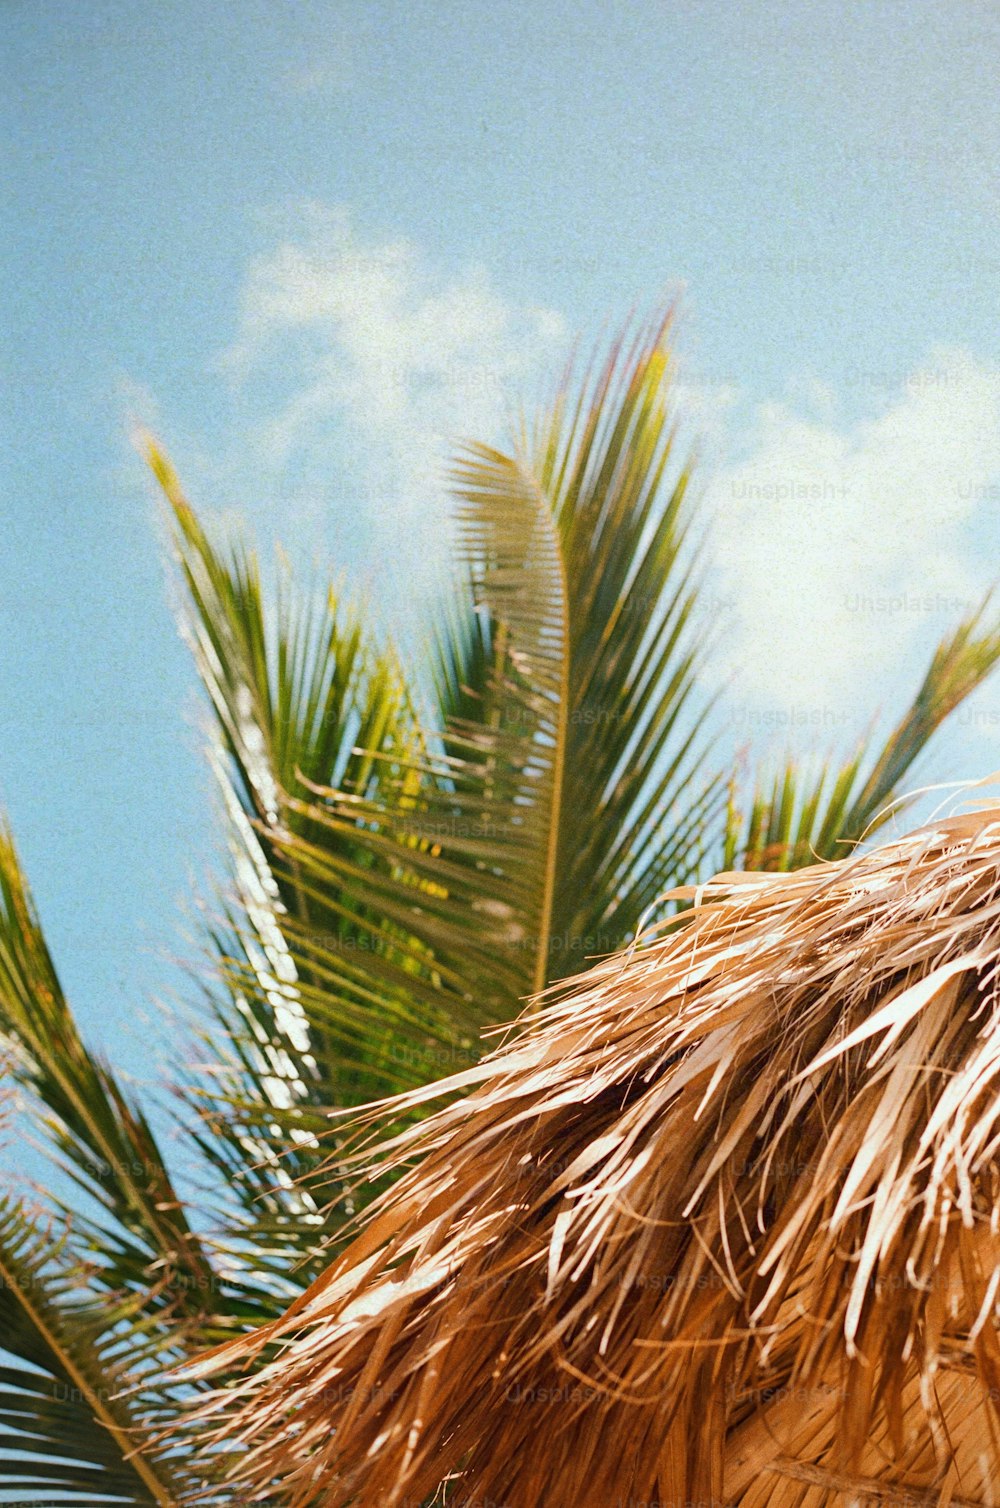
(720, 1226)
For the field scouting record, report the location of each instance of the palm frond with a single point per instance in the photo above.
(97, 1134)
(300, 694)
(66, 1433)
(567, 787)
(804, 817)
(636, 750)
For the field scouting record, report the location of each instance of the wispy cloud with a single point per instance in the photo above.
(847, 550)
(364, 353)
(327, 76)
(840, 551)
(320, 60)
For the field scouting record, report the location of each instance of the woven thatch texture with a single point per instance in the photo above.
(722, 1226)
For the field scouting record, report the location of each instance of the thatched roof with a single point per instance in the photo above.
(722, 1226)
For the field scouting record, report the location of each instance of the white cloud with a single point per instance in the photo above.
(847, 550)
(320, 61)
(330, 77)
(383, 366)
(704, 406)
(840, 551)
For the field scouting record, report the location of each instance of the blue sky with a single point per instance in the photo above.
(308, 243)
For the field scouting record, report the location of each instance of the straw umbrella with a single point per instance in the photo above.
(720, 1225)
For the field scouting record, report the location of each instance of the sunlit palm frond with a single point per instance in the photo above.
(570, 787)
(802, 817)
(639, 804)
(97, 1133)
(301, 692)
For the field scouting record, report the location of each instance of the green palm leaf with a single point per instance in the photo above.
(64, 1426)
(800, 818)
(569, 789)
(95, 1131)
(299, 695)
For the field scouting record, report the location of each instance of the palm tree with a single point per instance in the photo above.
(412, 855)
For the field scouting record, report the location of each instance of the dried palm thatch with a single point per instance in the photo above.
(722, 1226)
